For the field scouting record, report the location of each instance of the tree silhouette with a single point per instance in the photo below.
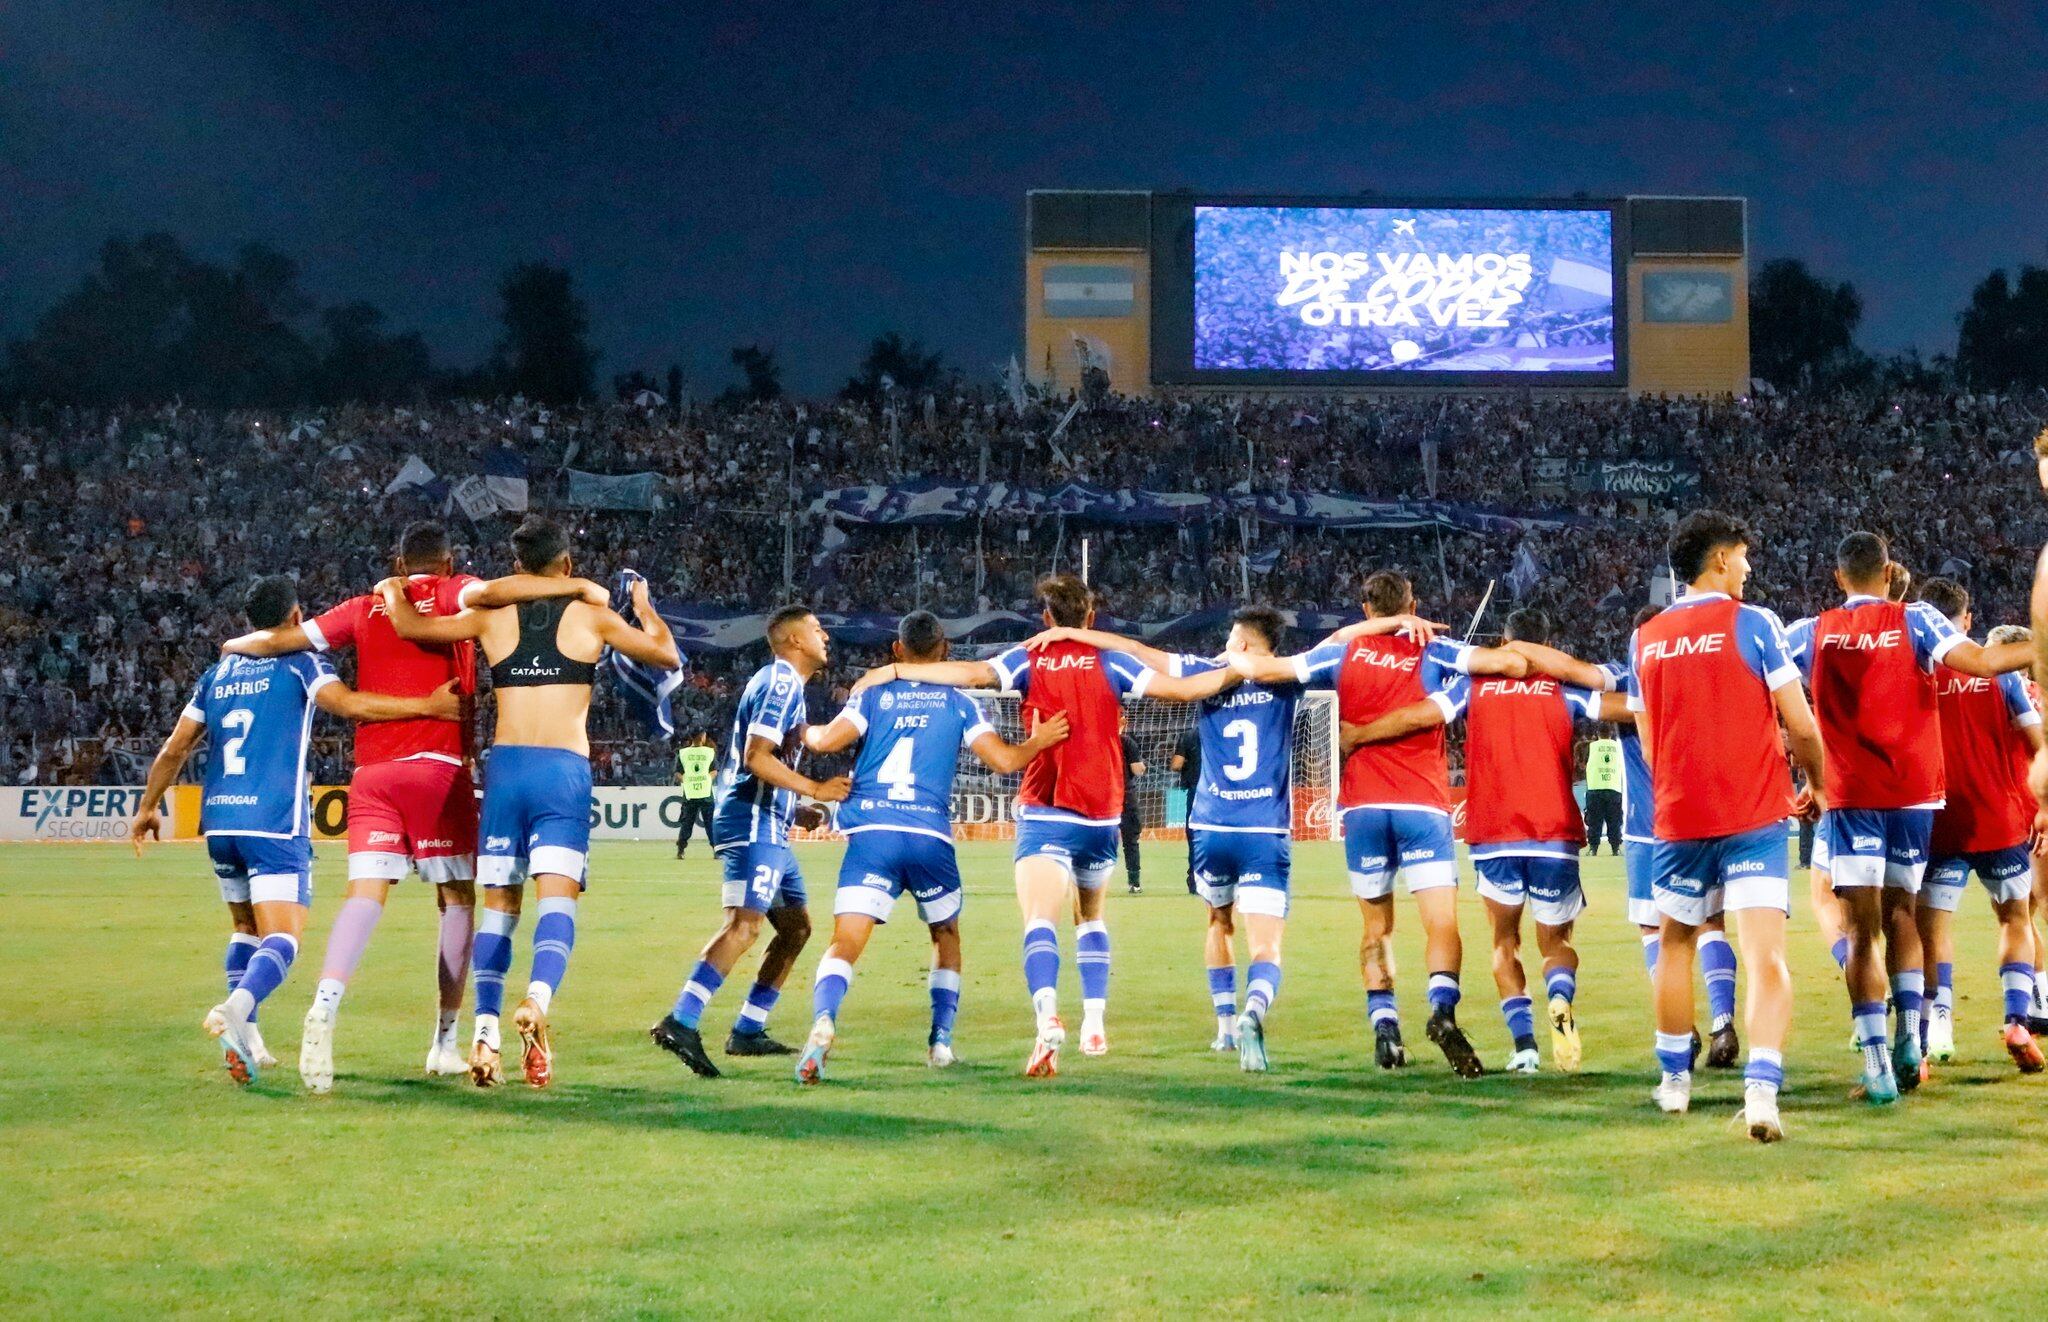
(545, 352)
(2002, 335)
(1802, 330)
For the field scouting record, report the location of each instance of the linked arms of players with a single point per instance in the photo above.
(478, 600)
(997, 753)
(1164, 684)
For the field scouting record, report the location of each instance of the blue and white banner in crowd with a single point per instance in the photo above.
(722, 629)
(929, 501)
(505, 478)
(610, 491)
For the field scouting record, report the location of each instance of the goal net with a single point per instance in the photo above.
(984, 803)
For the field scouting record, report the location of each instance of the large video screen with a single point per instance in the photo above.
(1479, 293)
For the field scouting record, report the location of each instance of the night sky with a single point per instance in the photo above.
(813, 175)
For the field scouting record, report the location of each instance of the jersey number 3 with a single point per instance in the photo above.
(1247, 736)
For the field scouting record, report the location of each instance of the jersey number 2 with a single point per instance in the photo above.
(241, 719)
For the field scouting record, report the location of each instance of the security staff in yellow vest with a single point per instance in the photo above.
(1603, 793)
(693, 772)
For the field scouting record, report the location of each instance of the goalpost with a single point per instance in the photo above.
(984, 803)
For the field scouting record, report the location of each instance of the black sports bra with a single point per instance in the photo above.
(538, 659)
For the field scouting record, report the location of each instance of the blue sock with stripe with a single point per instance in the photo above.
(1223, 991)
(1380, 1008)
(490, 955)
(829, 991)
(1717, 966)
(554, 936)
(752, 1020)
(2017, 979)
(1766, 1069)
(268, 965)
(698, 989)
(945, 989)
(1840, 950)
(1091, 953)
(1042, 964)
(241, 945)
(1674, 1053)
(1653, 945)
(1945, 984)
(1443, 992)
(1561, 982)
(1261, 985)
(1909, 990)
(1520, 1015)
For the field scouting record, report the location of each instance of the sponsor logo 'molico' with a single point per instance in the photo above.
(98, 813)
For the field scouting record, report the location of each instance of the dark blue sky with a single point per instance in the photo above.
(812, 175)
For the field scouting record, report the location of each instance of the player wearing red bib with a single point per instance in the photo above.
(1989, 733)
(1713, 680)
(412, 806)
(1871, 663)
(1071, 803)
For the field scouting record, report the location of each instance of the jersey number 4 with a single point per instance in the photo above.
(896, 773)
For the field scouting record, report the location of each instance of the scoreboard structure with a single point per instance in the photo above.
(1174, 291)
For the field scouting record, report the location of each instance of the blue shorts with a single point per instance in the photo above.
(256, 869)
(761, 875)
(881, 865)
(2007, 874)
(1638, 859)
(536, 815)
(1877, 847)
(1547, 882)
(1245, 868)
(1416, 842)
(1693, 880)
(1087, 852)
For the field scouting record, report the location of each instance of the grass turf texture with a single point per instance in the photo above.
(1154, 1182)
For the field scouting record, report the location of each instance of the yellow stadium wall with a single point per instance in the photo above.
(1677, 358)
(1128, 339)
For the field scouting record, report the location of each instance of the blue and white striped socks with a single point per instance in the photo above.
(1262, 984)
(2017, 980)
(241, 945)
(1717, 966)
(268, 965)
(698, 989)
(1091, 953)
(1766, 1070)
(1223, 992)
(1042, 965)
(829, 991)
(491, 959)
(554, 936)
(945, 990)
(752, 1020)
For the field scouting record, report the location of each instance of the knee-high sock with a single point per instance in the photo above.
(1042, 964)
(1381, 1009)
(1091, 953)
(350, 936)
(1223, 991)
(834, 977)
(554, 936)
(698, 989)
(241, 945)
(1909, 989)
(492, 960)
(1261, 986)
(1717, 966)
(458, 928)
(2017, 979)
(945, 989)
(753, 1016)
(1653, 945)
(1520, 1017)
(266, 972)
(1443, 991)
(1561, 982)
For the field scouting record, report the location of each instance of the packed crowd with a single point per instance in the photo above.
(125, 538)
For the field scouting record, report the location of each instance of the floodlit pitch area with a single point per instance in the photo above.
(1155, 1181)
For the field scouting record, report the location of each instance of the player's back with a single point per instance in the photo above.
(1083, 775)
(1247, 759)
(1638, 793)
(1876, 706)
(1518, 760)
(771, 707)
(1705, 669)
(911, 737)
(1379, 673)
(258, 713)
(389, 664)
(1985, 761)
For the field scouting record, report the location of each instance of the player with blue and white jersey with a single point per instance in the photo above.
(256, 713)
(898, 826)
(753, 806)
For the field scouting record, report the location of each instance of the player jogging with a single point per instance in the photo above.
(1871, 663)
(256, 713)
(756, 802)
(1522, 825)
(1713, 678)
(1395, 800)
(1989, 733)
(1071, 802)
(898, 825)
(535, 826)
(411, 804)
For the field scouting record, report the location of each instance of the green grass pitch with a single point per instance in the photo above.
(1157, 1182)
